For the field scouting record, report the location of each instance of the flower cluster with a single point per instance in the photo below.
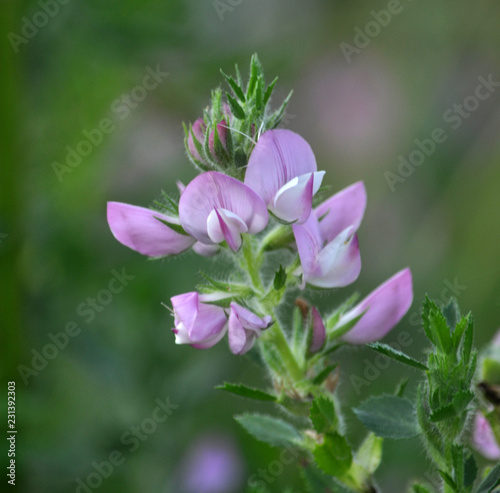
(256, 178)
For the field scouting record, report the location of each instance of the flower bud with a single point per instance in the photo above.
(197, 132)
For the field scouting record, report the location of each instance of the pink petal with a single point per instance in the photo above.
(236, 334)
(318, 331)
(483, 438)
(212, 190)
(345, 208)
(205, 250)
(199, 135)
(185, 309)
(293, 201)
(385, 307)
(225, 225)
(141, 230)
(279, 156)
(309, 243)
(339, 263)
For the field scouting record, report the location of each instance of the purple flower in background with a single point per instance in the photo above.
(382, 308)
(197, 323)
(244, 328)
(212, 465)
(215, 207)
(282, 170)
(483, 438)
(145, 231)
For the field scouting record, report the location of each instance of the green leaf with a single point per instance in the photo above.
(468, 340)
(269, 91)
(458, 404)
(279, 278)
(448, 480)
(435, 326)
(334, 455)
(324, 374)
(323, 415)
(234, 86)
(369, 454)
(259, 88)
(236, 109)
(268, 429)
(451, 313)
(316, 481)
(276, 118)
(400, 389)
(470, 470)
(491, 481)
(396, 355)
(255, 72)
(389, 416)
(419, 488)
(491, 371)
(248, 392)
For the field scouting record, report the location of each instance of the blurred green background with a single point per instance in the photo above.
(359, 113)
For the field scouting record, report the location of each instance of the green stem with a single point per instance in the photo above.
(252, 266)
(276, 335)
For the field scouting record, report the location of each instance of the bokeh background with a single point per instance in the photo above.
(359, 113)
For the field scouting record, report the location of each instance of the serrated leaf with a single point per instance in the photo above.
(389, 416)
(470, 470)
(248, 392)
(491, 481)
(323, 415)
(236, 109)
(459, 403)
(396, 355)
(334, 455)
(268, 429)
(369, 454)
(468, 340)
(324, 374)
(255, 71)
(436, 324)
(234, 86)
(279, 278)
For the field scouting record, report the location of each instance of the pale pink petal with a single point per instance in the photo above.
(309, 244)
(383, 308)
(145, 231)
(345, 208)
(205, 250)
(212, 190)
(279, 157)
(225, 225)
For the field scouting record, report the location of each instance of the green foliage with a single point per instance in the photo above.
(280, 278)
(248, 392)
(490, 482)
(396, 355)
(323, 416)
(389, 416)
(369, 453)
(268, 429)
(334, 455)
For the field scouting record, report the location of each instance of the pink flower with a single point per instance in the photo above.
(381, 310)
(146, 231)
(483, 438)
(282, 170)
(197, 323)
(215, 208)
(327, 243)
(244, 328)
